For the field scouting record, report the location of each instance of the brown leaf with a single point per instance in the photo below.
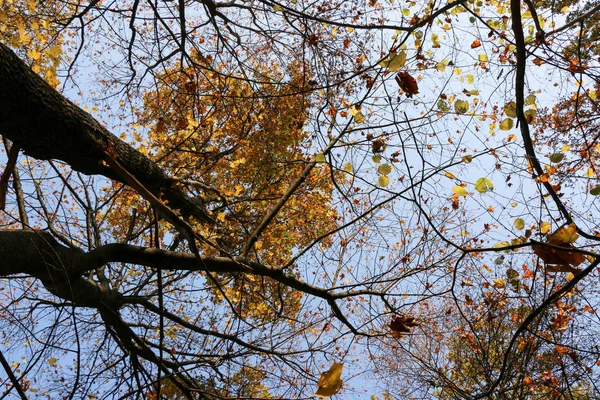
(560, 258)
(402, 324)
(407, 83)
(378, 146)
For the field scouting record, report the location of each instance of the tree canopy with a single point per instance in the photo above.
(259, 199)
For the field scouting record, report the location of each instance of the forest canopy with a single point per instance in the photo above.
(259, 199)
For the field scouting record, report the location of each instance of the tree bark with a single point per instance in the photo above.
(48, 126)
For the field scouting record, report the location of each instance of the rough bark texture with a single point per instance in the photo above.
(61, 269)
(48, 126)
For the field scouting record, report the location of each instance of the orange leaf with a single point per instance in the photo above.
(475, 44)
(562, 259)
(576, 68)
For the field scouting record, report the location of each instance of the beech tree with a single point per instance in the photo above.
(263, 199)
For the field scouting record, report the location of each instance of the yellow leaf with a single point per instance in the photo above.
(482, 185)
(395, 61)
(460, 191)
(52, 361)
(383, 181)
(34, 54)
(470, 79)
(544, 227)
(359, 118)
(529, 100)
(519, 223)
(348, 168)
(566, 148)
(330, 382)
(449, 175)
(506, 124)
(483, 58)
(467, 159)
(589, 173)
(384, 169)
(593, 94)
(499, 283)
(565, 235)
(320, 158)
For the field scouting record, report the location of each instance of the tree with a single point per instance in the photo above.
(273, 198)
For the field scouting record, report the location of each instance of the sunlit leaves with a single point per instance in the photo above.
(499, 283)
(460, 191)
(383, 181)
(330, 382)
(482, 185)
(519, 223)
(358, 116)
(394, 61)
(564, 235)
(545, 227)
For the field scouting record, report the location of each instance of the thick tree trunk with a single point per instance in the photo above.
(48, 126)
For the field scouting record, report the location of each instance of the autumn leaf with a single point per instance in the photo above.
(519, 223)
(394, 61)
(506, 124)
(407, 83)
(475, 44)
(564, 235)
(402, 324)
(384, 169)
(561, 260)
(460, 191)
(461, 106)
(358, 116)
(482, 185)
(499, 283)
(510, 109)
(378, 146)
(330, 382)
